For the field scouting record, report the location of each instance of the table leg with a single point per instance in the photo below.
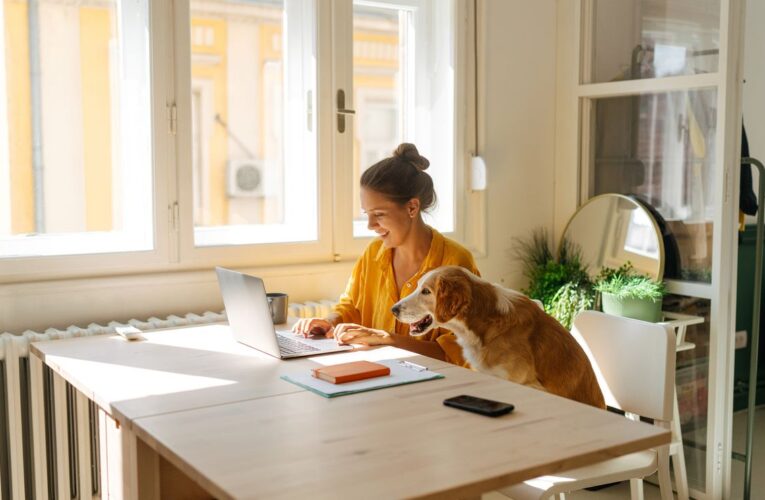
(129, 468)
(121, 461)
(148, 472)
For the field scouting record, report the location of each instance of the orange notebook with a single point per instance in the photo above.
(348, 372)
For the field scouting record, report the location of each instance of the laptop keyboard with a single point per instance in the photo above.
(289, 345)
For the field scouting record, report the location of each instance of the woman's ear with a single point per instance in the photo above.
(413, 207)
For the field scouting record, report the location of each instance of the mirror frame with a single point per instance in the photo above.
(656, 229)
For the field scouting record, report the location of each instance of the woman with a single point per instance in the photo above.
(394, 193)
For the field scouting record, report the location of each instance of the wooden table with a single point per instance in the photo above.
(192, 403)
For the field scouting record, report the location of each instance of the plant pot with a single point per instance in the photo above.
(644, 309)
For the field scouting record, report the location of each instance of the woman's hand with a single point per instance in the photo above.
(350, 333)
(314, 327)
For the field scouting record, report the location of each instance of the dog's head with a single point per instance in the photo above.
(441, 295)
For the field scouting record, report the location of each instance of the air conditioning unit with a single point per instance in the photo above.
(245, 178)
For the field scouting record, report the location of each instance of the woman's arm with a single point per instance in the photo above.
(349, 333)
(424, 347)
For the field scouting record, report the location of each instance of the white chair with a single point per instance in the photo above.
(635, 365)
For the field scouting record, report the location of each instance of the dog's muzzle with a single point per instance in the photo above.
(396, 309)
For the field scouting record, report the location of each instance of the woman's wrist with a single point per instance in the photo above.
(424, 347)
(334, 319)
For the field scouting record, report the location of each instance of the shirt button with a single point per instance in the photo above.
(409, 285)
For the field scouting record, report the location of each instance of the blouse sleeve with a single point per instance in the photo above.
(346, 305)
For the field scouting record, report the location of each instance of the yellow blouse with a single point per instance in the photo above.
(371, 290)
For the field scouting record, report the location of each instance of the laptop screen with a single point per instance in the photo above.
(244, 298)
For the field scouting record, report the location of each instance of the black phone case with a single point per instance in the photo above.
(480, 406)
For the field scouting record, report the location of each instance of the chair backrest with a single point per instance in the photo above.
(634, 361)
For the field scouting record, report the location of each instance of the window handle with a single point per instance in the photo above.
(342, 111)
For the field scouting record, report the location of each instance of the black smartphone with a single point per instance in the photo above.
(479, 405)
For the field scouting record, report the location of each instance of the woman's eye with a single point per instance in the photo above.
(425, 291)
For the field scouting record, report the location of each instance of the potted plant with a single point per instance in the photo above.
(560, 282)
(627, 293)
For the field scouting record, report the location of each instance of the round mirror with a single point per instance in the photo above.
(611, 230)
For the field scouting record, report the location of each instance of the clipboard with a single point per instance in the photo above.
(401, 373)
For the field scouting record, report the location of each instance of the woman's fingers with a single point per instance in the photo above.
(313, 326)
(344, 332)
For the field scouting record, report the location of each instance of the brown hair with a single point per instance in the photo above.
(402, 177)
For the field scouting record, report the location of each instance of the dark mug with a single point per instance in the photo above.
(277, 305)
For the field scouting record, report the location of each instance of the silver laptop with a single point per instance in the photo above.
(250, 319)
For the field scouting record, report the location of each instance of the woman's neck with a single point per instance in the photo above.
(416, 247)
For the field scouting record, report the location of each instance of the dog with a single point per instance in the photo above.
(502, 332)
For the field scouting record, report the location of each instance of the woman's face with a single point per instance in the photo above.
(391, 221)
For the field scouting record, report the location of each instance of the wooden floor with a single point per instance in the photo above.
(622, 491)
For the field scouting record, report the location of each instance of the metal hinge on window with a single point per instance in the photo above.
(309, 111)
(173, 214)
(172, 117)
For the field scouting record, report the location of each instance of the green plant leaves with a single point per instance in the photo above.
(625, 283)
(562, 283)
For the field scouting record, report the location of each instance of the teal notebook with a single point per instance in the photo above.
(401, 373)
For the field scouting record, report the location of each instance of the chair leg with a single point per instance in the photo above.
(665, 483)
(678, 457)
(636, 489)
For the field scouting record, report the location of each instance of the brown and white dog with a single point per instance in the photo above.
(502, 332)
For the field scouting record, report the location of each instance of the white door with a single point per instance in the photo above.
(650, 106)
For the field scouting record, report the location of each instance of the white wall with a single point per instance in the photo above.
(517, 126)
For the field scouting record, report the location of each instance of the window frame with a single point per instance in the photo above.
(170, 97)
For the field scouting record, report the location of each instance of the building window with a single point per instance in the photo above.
(76, 168)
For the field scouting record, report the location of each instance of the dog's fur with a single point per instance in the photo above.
(502, 332)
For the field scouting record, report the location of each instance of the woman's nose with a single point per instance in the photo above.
(371, 222)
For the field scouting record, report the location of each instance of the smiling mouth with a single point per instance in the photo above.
(422, 325)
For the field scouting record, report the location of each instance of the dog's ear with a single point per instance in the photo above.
(452, 295)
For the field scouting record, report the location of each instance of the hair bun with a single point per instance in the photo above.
(408, 152)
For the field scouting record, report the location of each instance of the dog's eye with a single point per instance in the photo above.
(426, 291)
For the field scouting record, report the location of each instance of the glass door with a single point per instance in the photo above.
(658, 120)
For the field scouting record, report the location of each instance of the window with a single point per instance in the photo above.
(186, 134)
(253, 85)
(661, 148)
(76, 166)
(403, 85)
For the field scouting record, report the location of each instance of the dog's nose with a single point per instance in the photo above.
(396, 309)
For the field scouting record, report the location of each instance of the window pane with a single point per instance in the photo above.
(692, 383)
(253, 90)
(661, 148)
(75, 140)
(403, 91)
(637, 39)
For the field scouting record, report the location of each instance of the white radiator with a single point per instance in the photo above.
(49, 437)
(308, 309)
